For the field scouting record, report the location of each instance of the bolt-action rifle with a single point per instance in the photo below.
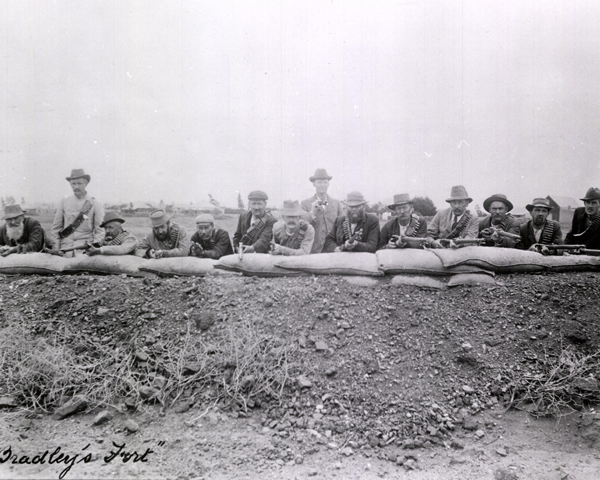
(560, 249)
(412, 241)
(462, 242)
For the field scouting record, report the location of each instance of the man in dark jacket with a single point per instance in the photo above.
(20, 234)
(585, 229)
(209, 241)
(499, 220)
(255, 227)
(397, 232)
(539, 229)
(357, 231)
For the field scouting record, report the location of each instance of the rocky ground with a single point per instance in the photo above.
(322, 376)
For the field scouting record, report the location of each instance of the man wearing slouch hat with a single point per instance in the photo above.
(255, 227)
(585, 229)
(539, 230)
(291, 235)
(166, 239)
(209, 241)
(117, 241)
(20, 234)
(397, 232)
(499, 220)
(454, 222)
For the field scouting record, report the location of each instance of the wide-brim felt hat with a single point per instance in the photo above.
(111, 217)
(159, 218)
(292, 209)
(258, 195)
(320, 174)
(78, 173)
(12, 211)
(540, 203)
(458, 192)
(400, 199)
(354, 199)
(498, 197)
(592, 194)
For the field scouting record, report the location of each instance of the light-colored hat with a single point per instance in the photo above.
(540, 203)
(354, 199)
(111, 217)
(400, 199)
(78, 173)
(498, 197)
(320, 174)
(291, 209)
(205, 218)
(592, 194)
(458, 192)
(258, 195)
(12, 211)
(158, 218)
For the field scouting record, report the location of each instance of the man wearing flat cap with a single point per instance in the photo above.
(117, 240)
(78, 218)
(356, 231)
(407, 224)
(321, 210)
(498, 221)
(292, 235)
(585, 229)
(539, 230)
(255, 227)
(209, 241)
(20, 234)
(454, 222)
(166, 239)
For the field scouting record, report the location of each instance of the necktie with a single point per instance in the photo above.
(455, 223)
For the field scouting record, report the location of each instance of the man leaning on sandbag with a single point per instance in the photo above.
(407, 230)
(166, 239)
(20, 234)
(499, 228)
(209, 241)
(255, 227)
(585, 229)
(291, 234)
(117, 240)
(539, 230)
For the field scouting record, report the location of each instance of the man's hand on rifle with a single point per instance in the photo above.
(248, 248)
(397, 239)
(156, 254)
(92, 250)
(5, 251)
(349, 246)
(276, 249)
(197, 250)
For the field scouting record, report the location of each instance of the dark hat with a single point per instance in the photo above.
(354, 199)
(458, 192)
(78, 173)
(320, 174)
(400, 199)
(111, 217)
(12, 211)
(498, 197)
(540, 203)
(592, 194)
(258, 195)
(291, 209)
(158, 218)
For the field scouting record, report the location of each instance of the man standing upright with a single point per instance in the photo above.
(20, 234)
(321, 210)
(78, 218)
(499, 220)
(539, 229)
(255, 227)
(585, 229)
(453, 222)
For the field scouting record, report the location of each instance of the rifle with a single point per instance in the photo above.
(560, 249)
(196, 249)
(62, 251)
(412, 241)
(354, 237)
(462, 242)
(502, 233)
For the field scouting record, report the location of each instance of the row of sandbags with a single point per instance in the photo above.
(436, 263)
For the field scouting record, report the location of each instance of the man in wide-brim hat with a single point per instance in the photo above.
(166, 239)
(321, 210)
(291, 234)
(255, 226)
(408, 224)
(540, 229)
(117, 240)
(499, 219)
(455, 222)
(357, 231)
(585, 228)
(209, 241)
(78, 217)
(20, 234)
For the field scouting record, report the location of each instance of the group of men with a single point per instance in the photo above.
(319, 224)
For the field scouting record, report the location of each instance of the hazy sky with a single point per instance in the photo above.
(174, 100)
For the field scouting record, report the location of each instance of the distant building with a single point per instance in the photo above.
(138, 208)
(563, 208)
(196, 208)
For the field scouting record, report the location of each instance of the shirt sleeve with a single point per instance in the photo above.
(472, 230)
(557, 235)
(384, 237)
(305, 246)
(98, 218)
(128, 246)
(183, 245)
(57, 225)
(433, 230)
(263, 243)
(331, 239)
(237, 236)
(36, 237)
(506, 242)
(143, 247)
(221, 245)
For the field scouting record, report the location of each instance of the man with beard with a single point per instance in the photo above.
(321, 210)
(20, 234)
(209, 241)
(78, 218)
(357, 231)
(397, 232)
(255, 227)
(167, 239)
(454, 222)
(291, 235)
(499, 220)
(539, 229)
(117, 241)
(585, 229)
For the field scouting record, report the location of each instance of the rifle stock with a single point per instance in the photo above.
(462, 242)
(555, 249)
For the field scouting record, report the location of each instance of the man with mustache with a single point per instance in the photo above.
(291, 235)
(454, 222)
(499, 220)
(209, 241)
(397, 232)
(255, 227)
(20, 234)
(585, 229)
(357, 231)
(117, 241)
(539, 229)
(78, 218)
(166, 239)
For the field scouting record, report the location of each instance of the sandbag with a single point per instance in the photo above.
(496, 259)
(255, 265)
(422, 281)
(571, 263)
(342, 263)
(31, 264)
(410, 260)
(363, 281)
(106, 265)
(470, 279)
(183, 266)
